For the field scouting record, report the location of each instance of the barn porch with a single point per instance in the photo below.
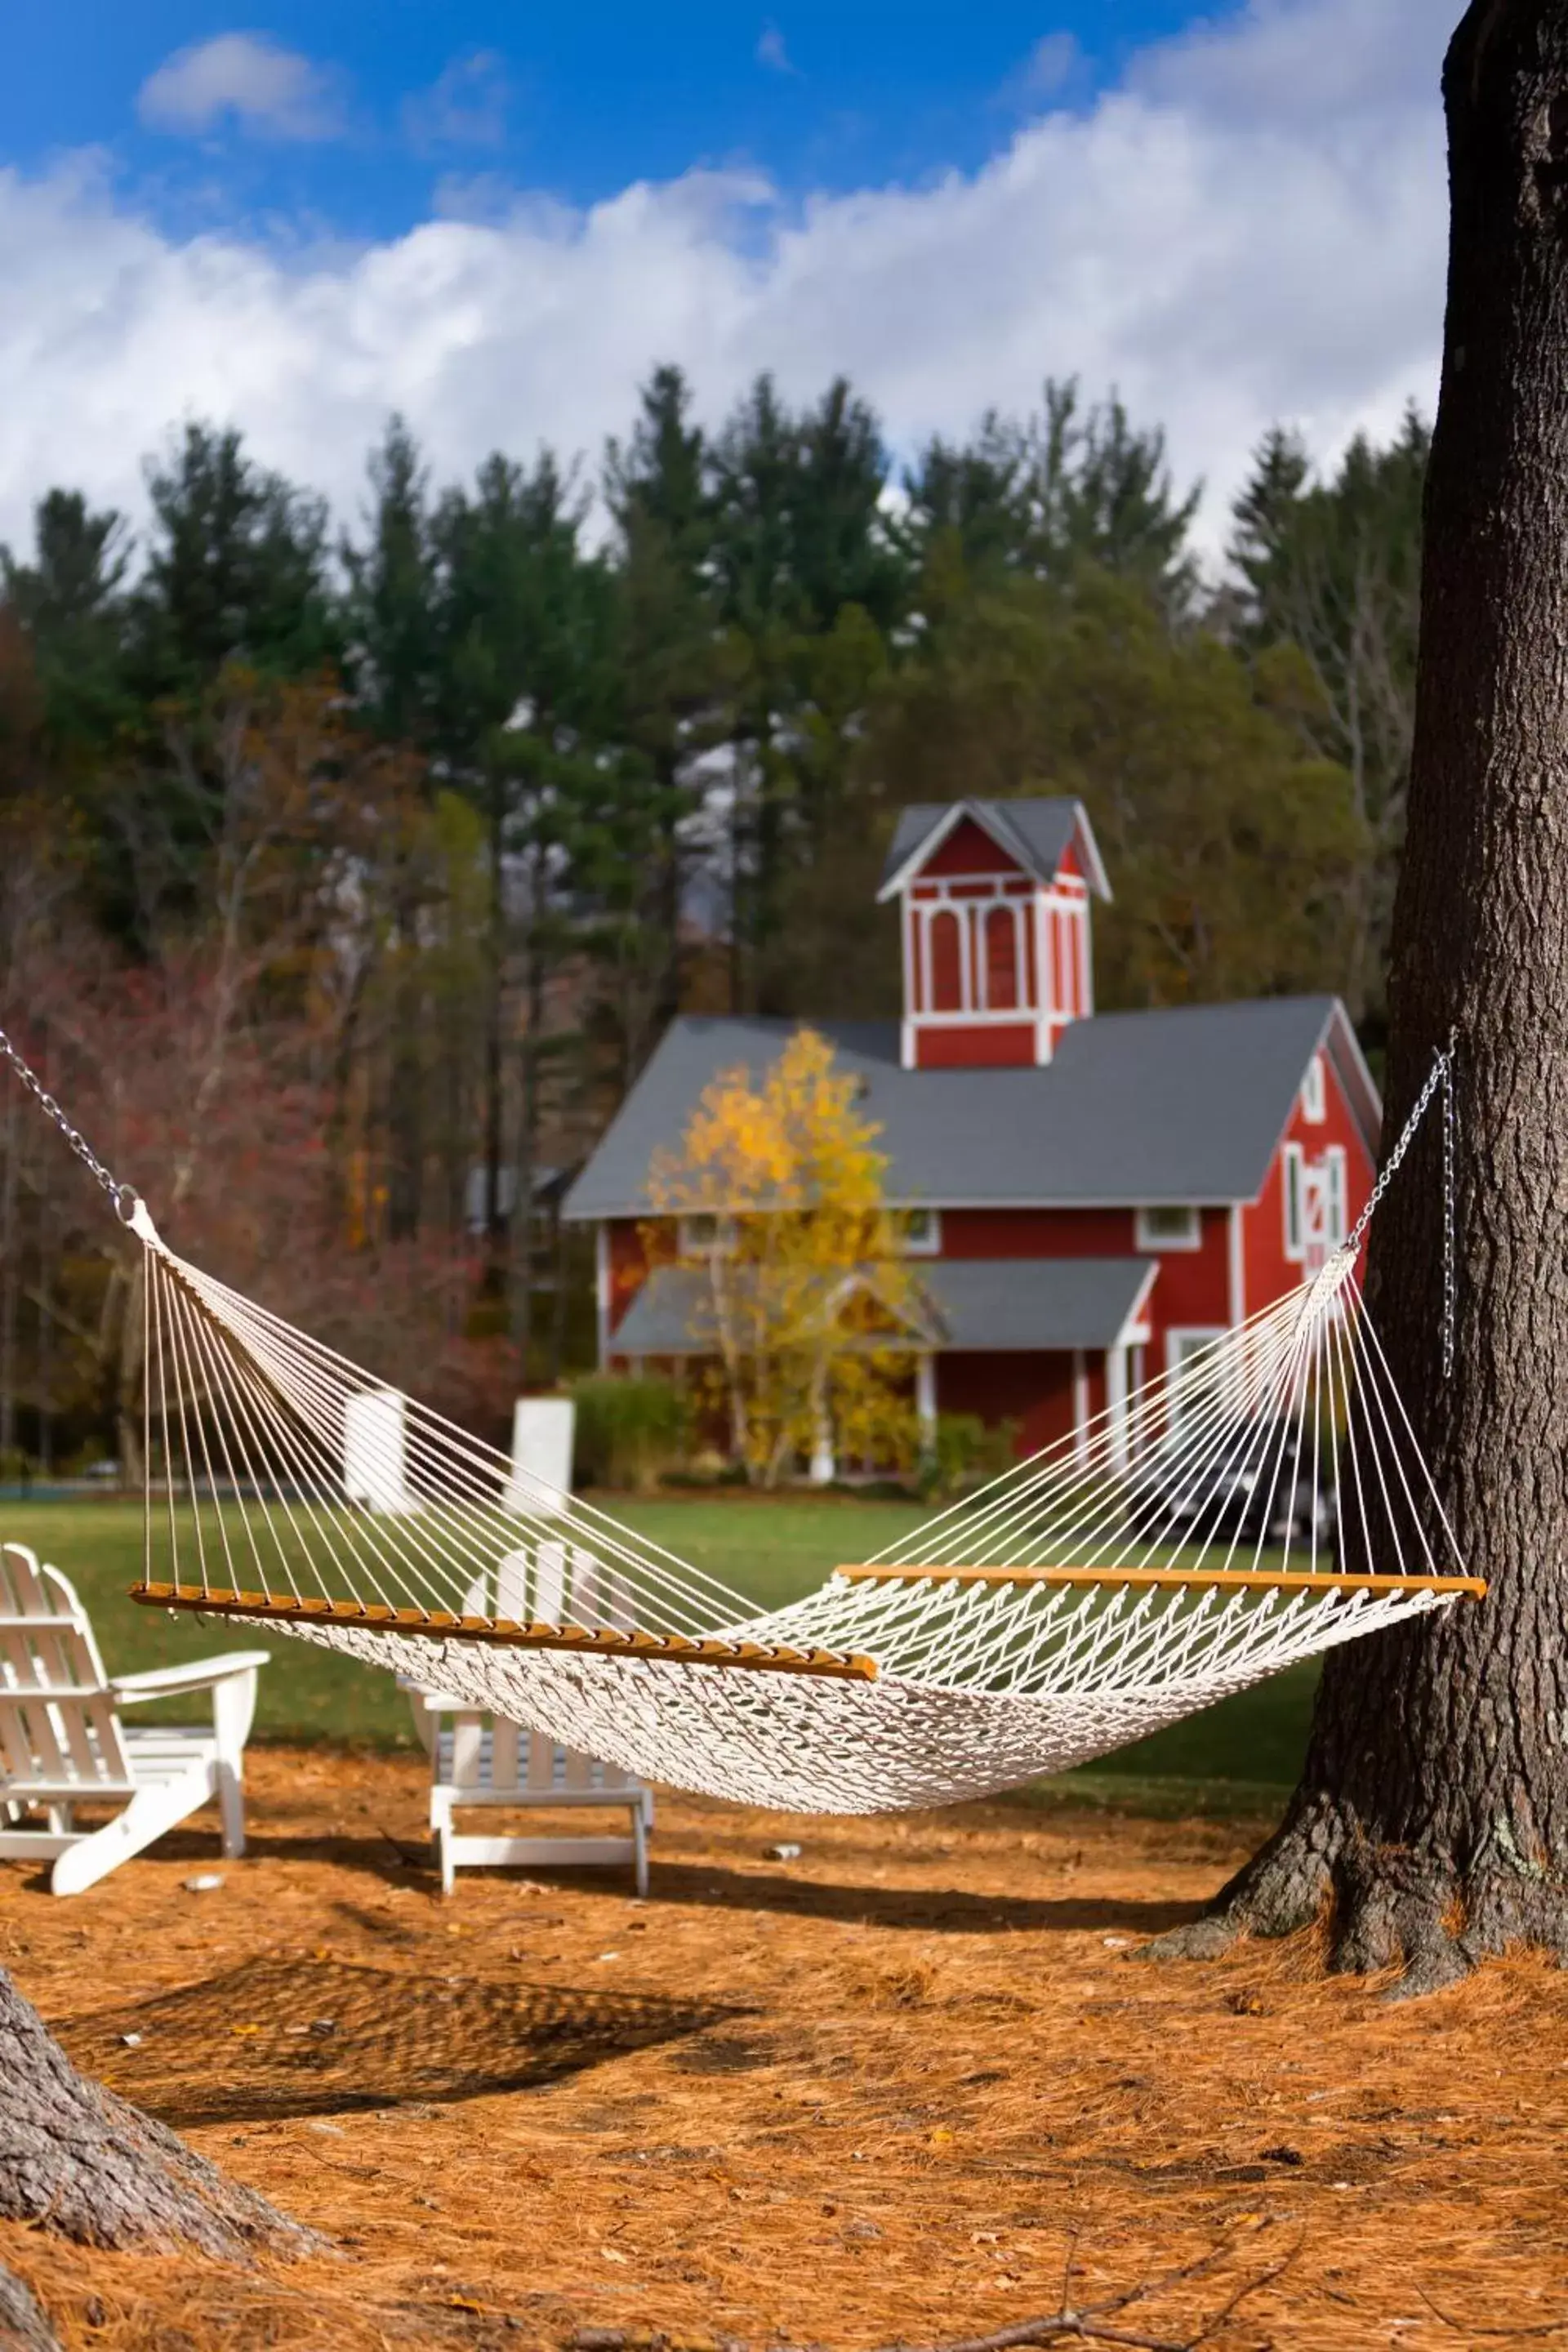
(1047, 1343)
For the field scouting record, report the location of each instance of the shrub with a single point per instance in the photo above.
(629, 1430)
(965, 1452)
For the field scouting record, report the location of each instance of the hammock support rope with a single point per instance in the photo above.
(1262, 1503)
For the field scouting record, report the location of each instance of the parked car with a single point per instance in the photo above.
(1258, 1484)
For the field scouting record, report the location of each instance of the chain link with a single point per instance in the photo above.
(1441, 1075)
(123, 1195)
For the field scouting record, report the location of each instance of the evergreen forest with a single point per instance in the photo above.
(353, 864)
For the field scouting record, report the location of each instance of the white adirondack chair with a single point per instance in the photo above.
(478, 1760)
(62, 1743)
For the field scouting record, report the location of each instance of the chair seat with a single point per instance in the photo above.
(600, 1783)
(156, 1753)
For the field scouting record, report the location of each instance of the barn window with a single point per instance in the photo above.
(1001, 960)
(946, 963)
(1336, 1221)
(1294, 1202)
(919, 1233)
(1314, 1108)
(1169, 1228)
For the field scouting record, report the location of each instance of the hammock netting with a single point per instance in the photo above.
(1262, 1503)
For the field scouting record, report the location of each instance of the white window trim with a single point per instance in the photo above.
(1314, 1093)
(932, 1245)
(1293, 1189)
(1146, 1240)
(1336, 1193)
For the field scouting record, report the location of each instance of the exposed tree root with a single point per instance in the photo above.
(1388, 1906)
(80, 2161)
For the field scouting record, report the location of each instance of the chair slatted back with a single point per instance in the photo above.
(557, 1581)
(72, 1736)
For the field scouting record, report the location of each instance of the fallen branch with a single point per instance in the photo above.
(1470, 2327)
(1095, 2323)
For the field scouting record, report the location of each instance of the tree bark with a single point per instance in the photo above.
(1433, 1811)
(22, 2326)
(77, 2160)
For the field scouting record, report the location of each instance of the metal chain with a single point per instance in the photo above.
(1440, 1075)
(123, 1196)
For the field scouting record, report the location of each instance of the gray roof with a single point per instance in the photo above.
(1136, 1108)
(974, 1303)
(1036, 833)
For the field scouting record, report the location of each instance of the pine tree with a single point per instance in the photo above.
(236, 572)
(71, 601)
(1332, 568)
(673, 680)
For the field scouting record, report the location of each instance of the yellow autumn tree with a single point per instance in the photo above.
(799, 1298)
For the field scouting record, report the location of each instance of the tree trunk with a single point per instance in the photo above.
(1433, 1812)
(77, 2160)
(22, 2326)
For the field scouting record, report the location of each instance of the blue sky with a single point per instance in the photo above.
(574, 101)
(496, 220)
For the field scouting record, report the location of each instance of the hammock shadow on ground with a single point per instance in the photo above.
(290, 2037)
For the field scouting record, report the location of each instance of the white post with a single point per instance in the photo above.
(543, 1430)
(824, 1468)
(602, 1290)
(1080, 1406)
(374, 1450)
(1116, 1404)
(925, 1401)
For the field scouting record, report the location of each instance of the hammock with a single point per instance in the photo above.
(1184, 1545)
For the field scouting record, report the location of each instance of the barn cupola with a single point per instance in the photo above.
(994, 898)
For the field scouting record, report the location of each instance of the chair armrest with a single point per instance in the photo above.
(197, 1673)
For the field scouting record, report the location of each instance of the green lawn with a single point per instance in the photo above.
(1236, 1756)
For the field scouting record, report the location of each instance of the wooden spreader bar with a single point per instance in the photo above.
(506, 1633)
(1228, 1580)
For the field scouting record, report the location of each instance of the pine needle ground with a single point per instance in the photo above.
(871, 2095)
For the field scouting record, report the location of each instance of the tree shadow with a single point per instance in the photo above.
(928, 1909)
(275, 2038)
(939, 1909)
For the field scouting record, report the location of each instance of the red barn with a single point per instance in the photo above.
(1092, 1195)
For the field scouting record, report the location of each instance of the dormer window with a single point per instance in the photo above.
(946, 946)
(1002, 959)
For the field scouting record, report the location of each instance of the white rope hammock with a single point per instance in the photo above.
(1183, 1545)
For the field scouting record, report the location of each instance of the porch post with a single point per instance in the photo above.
(925, 1401)
(601, 1292)
(1079, 1405)
(1116, 1404)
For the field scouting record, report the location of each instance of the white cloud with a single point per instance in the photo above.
(773, 53)
(465, 107)
(1222, 251)
(1048, 67)
(244, 78)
